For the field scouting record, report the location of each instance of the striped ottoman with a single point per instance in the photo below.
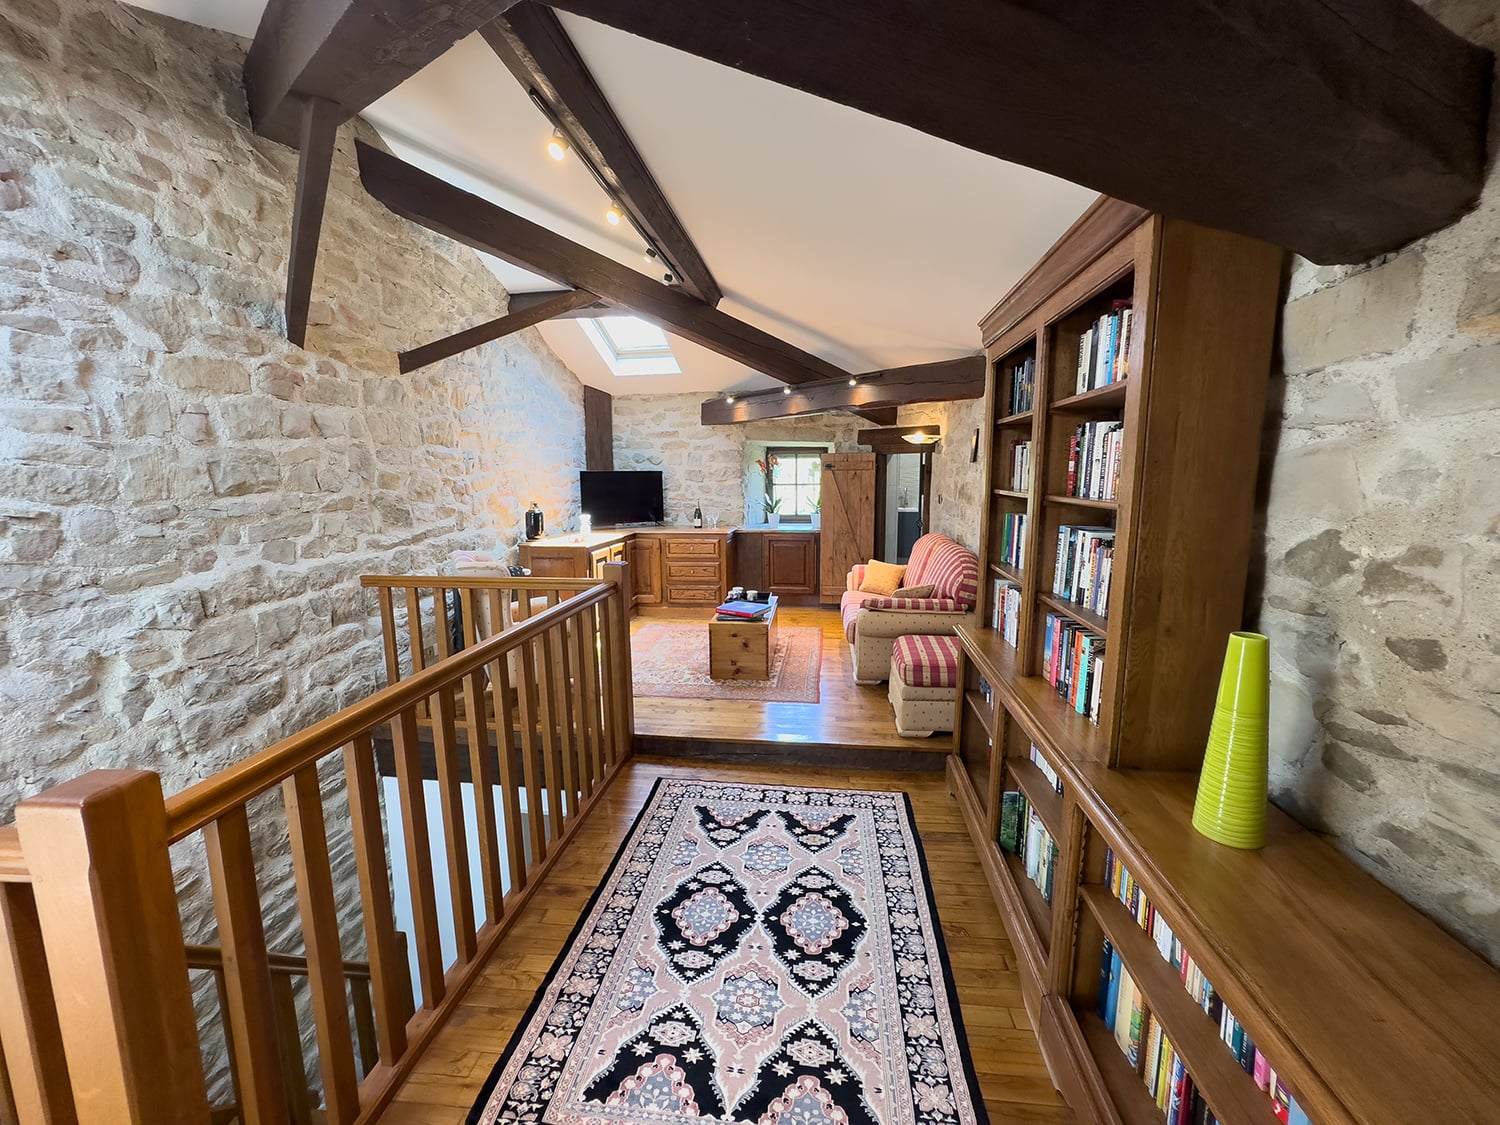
(924, 683)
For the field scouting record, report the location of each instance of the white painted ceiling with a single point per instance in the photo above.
(861, 241)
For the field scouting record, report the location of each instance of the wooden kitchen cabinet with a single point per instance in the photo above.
(783, 562)
(644, 552)
(682, 567)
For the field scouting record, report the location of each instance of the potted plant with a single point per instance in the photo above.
(772, 504)
(817, 511)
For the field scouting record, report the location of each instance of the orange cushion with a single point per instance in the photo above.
(882, 578)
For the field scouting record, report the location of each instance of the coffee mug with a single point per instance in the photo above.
(752, 595)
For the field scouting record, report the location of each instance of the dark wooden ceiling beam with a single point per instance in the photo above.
(520, 302)
(439, 206)
(317, 137)
(1340, 129)
(347, 52)
(531, 42)
(531, 312)
(942, 381)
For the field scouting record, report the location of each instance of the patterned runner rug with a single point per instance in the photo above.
(672, 661)
(755, 954)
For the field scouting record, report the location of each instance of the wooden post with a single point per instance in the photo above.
(37, 1088)
(622, 682)
(97, 850)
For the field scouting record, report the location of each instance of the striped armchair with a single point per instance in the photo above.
(872, 623)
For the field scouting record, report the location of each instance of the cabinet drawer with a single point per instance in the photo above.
(693, 595)
(677, 571)
(692, 548)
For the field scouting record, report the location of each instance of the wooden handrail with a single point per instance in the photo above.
(211, 957)
(200, 804)
(473, 581)
(13, 867)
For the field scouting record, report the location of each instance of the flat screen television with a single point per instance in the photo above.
(611, 498)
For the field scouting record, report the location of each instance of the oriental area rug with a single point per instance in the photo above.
(756, 954)
(671, 661)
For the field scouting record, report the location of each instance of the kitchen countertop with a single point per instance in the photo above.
(603, 536)
(795, 528)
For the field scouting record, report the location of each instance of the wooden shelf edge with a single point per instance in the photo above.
(982, 711)
(1082, 502)
(1030, 954)
(1233, 1094)
(1008, 572)
(1112, 394)
(1012, 493)
(1033, 784)
(1093, 622)
(1022, 419)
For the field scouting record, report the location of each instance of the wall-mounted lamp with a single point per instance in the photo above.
(921, 437)
(728, 398)
(786, 390)
(853, 381)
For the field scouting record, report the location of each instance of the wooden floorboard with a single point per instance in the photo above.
(847, 717)
(1006, 1057)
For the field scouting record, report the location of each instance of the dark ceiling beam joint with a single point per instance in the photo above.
(318, 136)
(529, 314)
(426, 200)
(874, 395)
(534, 46)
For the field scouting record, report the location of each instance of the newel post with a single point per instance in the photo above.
(622, 681)
(97, 850)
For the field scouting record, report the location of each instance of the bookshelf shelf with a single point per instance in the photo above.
(1100, 398)
(1044, 798)
(981, 711)
(1093, 622)
(1021, 419)
(1225, 1085)
(1012, 493)
(1038, 910)
(1082, 502)
(1009, 573)
(1127, 1093)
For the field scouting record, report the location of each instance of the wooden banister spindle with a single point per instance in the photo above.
(505, 741)
(581, 702)
(621, 681)
(608, 705)
(440, 623)
(593, 696)
(553, 721)
(289, 1040)
(481, 766)
(533, 727)
(388, 636)
(561, 785)
(102, 878)
(318, 908)
(39, 1090)
(455, 835)
(388, 964)
(246, 970)
(415, 644)
(418, 849)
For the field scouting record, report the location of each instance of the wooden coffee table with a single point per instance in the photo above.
(742, 650)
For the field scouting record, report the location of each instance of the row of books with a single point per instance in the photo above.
(1013, 539)
(1094, 460)
(1085, 561)
(1005, 612)
(1144, 1043)
(1039, 760)
(1023, 834)
(987, 693)
(1104, 350)
(1073, 663)
(1020, 465)
(1022, 386)
(1124, 887)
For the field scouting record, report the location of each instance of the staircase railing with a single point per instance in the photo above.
(97, 1020)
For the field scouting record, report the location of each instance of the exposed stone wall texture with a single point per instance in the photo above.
(957, 482)
(1381, 583)
(713, 465)
(187, 500)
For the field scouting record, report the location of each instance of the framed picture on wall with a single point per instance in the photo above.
(974, 447)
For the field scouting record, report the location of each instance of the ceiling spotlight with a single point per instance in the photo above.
(668, 278)
(921, 437)
(651, 255)
(728, 398)
(557, 145)
(853, 381)
(614, 216)
(786, 390)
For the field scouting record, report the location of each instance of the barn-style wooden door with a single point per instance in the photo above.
(848, 536)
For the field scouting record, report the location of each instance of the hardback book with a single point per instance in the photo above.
(744, 609)
(1012, 816)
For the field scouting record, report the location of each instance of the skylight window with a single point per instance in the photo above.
(631, 346)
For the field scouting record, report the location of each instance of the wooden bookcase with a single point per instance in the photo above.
(1367, 1010)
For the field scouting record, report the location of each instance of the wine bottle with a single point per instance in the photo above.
(698, 517)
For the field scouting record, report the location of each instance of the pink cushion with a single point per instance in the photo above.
(948, 566)
(925, 661)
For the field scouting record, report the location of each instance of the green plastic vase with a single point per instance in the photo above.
(1231, 803)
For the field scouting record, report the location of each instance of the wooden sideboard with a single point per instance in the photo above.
(781, 560)
(679, 567)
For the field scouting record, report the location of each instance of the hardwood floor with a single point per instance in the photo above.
(1012, 1076)
(847, 723)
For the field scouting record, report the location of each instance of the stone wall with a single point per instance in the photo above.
(713, 465)
(1381, 571)
(186, 500)
(957, 482)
